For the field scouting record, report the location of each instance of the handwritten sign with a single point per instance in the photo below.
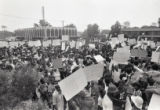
(73, 84)
(121, 38)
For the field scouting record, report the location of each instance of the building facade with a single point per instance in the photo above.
(45, 33)
(152, 33)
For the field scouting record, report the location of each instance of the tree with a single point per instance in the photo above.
(115, 29)
(71, 26)
(92, 31)
(42, 23)
(24, 82)
(126, 24)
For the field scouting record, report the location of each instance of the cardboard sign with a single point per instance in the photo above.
(121, 38)
(154, 103)
(139, 53)
(34, 43)
(56, 42)
(92, 46)
(63, 47)
(73, 84)
(121, 57)
(156, 57)
(94, 72)
(99, 58)
(57, 63)
(132, 41)
(65, 38)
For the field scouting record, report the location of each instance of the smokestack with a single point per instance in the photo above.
(43, 14)
(159, 22)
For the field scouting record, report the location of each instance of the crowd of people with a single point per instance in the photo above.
(135, 84)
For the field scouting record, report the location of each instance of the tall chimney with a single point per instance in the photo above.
(159, 22)
(43, 13)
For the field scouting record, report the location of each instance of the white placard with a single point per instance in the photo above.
(99, 58)
(154, 103)
(73, 84)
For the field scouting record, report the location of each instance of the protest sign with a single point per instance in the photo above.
(3, 44)
(99, 58)
(73, 84)
(114, 40)
(72, 44)
(156, 57)
(56, 42)
(92, 46)
(124, 49)
(63, 47)
(13, 44)
(139, 53)
(65, 38)
(128, 105)
(34, 43)
(46, 43)
(121, 57)
(116, 74)
(94, 72)
(152, 44)
(132, 41)
(57, 63)
(121, 38)
(154, 103)
(158, 44)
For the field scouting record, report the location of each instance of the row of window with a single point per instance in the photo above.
(39, 33)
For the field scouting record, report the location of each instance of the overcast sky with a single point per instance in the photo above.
(23, 13)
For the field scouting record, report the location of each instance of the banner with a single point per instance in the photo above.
(139, 53)
(94, 72)
(154, 103)
(13, 44)
(73, 84)
(121, 57)
(99, 58)
(65, 38)
(155, 57)
(57, 63)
